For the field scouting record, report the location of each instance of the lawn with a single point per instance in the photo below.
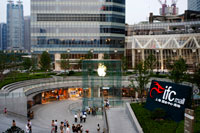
(149, 125)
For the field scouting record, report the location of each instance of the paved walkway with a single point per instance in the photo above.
(119, 122)
(44, 114)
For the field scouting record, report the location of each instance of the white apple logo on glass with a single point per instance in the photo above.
(101, 70)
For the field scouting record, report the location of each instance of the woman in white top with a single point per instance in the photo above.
(68, 130)
(28, 128)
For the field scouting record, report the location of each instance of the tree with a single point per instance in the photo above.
(169, 63)
(177, 73)
(64, 64)
(151, 62)
(27, 64)
(45, 61)
(89, 55)
(106, 56)
(142, 78)
(3, 59)
(124, 64)
(196, 77)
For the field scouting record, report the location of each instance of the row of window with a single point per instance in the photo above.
(80, 43)
(113, 8)
(116, 1)
(79, 30)
(95, 8)
(82, 17)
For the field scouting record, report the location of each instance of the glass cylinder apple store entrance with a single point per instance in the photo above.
(101, 81)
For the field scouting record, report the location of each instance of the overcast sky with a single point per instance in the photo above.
(136, 10)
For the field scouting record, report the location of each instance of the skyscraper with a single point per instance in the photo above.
(3, 36)
(78, 26)
(194, 5)
(27, 33)
(15, 26)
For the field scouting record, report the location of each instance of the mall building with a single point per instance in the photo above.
(168, 41)
(76, 27)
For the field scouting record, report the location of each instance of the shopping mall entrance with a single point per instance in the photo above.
(55, 95)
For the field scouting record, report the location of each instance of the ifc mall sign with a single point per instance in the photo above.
(173, 98)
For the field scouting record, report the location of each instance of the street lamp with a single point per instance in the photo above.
(115, 51)
(92, 51)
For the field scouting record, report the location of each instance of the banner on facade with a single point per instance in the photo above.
(171, 97)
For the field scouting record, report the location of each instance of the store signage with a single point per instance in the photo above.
(105, 88)
(101, 70)
(171, 97)
(188, 121)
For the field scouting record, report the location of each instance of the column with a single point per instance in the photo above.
(133, 58)
(143, 55)
(161, 58)
(180, 53)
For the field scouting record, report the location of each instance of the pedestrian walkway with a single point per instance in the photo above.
(119, 122)
(44, 114)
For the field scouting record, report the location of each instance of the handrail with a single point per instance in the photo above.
(106, 120)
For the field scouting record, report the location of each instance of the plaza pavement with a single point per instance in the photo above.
(44, 114)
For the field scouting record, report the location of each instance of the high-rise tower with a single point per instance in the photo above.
(78, 26)
(194, 5)
(15, 26)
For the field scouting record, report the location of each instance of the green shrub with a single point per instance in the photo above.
(71, 73)
(149, 125)
(158, 114)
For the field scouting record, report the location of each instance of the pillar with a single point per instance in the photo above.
(180, 53)
(143, 55)
(161, 55)
(133, 58)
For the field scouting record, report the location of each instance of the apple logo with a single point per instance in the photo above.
(101, 70)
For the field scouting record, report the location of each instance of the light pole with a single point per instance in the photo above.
(115, 51)
(92, 51)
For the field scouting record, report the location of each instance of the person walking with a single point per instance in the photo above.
(81, 118)
(98, 128)
(73, 128)
(75, 118)
(30, 125)
(61, 127)
(56, 126)
(5, 111)
(27, 128)
(84, 118)
(68, 130)
(52, 127)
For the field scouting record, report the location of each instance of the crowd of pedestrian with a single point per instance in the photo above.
(65, 126)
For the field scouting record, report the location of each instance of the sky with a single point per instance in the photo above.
(136, 10)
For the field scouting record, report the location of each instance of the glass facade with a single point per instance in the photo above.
(194, 5)
(27, 33)
(3, 36)
(78, 25)
(15, 26)
(166, 48)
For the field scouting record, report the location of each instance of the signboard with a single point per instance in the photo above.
(189, 121)
(171, 97)
(105, 88)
